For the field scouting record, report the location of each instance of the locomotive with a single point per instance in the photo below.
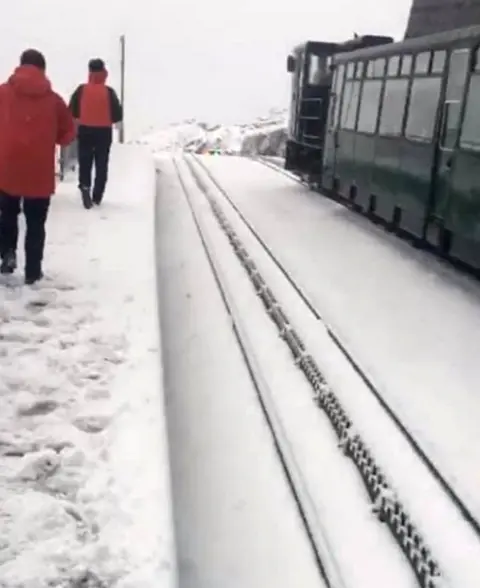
(393, 130)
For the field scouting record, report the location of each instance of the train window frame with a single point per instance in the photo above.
(471, 145)
(453, 90)
(344, 118)
(359, 70)
(406, 65)
(350, 71)
(379, 67)
(340, 81)
(398, 126)
(409, 126)
(435, 69)
(365, 104)
(393, 66)
(476, 60)
(423, 63)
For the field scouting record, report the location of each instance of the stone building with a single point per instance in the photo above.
(432, 16)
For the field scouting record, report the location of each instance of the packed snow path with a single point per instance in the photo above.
(84, 477)
(411, 322)
(236, 521)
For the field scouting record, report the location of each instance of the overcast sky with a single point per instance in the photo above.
(218, 60)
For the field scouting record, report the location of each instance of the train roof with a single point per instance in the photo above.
(315, 46)
(332, 47)
(437, 40)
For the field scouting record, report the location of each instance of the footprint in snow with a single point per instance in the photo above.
(36, 407)
(91, 423)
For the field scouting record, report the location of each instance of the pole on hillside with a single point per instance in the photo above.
(122, 87)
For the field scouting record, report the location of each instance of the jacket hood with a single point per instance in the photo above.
(97, 77)
(30, 81)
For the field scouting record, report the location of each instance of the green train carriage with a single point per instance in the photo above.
(402, 138)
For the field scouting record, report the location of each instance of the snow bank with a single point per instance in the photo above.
(84, 483)
(264, 136)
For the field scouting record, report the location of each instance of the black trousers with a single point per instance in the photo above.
(36, 212)
(94, 149)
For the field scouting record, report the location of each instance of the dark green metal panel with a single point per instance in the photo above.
(462, 215)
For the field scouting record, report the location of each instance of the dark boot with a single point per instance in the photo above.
(86, 198)
(97, 199)
(32, 277)
(9, 263)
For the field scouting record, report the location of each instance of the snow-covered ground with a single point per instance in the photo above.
(84, 483)
(412, 323)
(447, 534)
(237, 525)
(265, 136)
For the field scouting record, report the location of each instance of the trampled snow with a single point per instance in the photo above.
(84, 483)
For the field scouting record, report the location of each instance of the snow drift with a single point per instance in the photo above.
(264, 136)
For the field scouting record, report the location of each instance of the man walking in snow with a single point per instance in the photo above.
(33, 120)
(96, 108)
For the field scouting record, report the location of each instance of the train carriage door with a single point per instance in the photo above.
(331, 139)
(448, 136)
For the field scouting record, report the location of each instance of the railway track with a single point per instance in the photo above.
(387, 504)
(413, 442)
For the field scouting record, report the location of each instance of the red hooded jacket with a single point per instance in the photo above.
(33, 120)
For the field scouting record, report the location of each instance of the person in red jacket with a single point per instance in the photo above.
(96, 108)
(33, 120)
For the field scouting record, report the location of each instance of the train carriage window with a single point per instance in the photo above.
(438, 62)
(316, 69)
(470, 136)
(359, 72)
(339, 79)
(406, 65)
(351, 95)
(477, 61)
(350, 70)
(338, 93)
(422, 63)
(450, 124)
(393, 66)
(379, 68)
(423, 108)
(394, 101)
(367, 118)
(370, 69)
(457, 74)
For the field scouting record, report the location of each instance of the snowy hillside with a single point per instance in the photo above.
(265, 136)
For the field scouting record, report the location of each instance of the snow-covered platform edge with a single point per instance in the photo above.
(140, 446)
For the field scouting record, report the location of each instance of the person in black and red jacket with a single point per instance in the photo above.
(96, 108)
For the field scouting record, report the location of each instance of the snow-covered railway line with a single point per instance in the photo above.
(435, 531)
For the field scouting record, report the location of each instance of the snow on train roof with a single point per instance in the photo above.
(436, 40)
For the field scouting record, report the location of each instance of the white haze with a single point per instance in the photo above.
(211, 59)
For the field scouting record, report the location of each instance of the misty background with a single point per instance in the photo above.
(218, 61)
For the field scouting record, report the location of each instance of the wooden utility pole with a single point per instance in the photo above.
(122, 87)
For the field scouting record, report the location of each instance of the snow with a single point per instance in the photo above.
(452, 541)
(236, 523)
(410, 321)
(355, 548)
(265, 135)
(84, 482)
